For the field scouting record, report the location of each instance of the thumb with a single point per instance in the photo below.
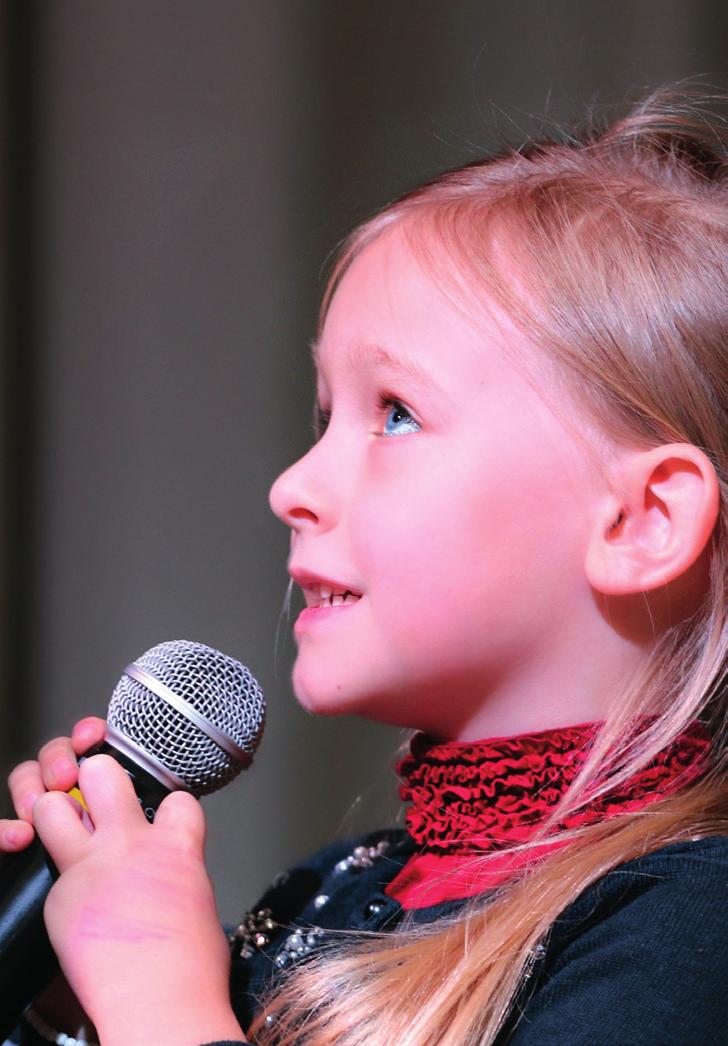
(181, 815)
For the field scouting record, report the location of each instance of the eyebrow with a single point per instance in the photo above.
(362, 355)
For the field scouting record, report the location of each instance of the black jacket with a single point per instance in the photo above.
(639, 959)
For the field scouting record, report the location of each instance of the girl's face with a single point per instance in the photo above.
(444, 491)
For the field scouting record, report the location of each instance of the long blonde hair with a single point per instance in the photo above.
(621, 238)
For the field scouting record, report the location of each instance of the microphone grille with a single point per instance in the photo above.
(218, 689)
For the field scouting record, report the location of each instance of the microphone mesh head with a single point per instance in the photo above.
(217, 687)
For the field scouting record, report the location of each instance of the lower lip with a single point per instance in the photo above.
(316, 615)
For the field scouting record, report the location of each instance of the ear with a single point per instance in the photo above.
(656, 521)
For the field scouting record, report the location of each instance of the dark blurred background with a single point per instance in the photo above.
(174, 175)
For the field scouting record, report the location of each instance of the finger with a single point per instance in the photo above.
(14, 835)
(109, 794)
(26, 785)
(58, 766)
(60, 829)
(87, 733)
(182, 816)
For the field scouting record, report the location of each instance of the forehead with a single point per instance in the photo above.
(389, 313)
(360, 355)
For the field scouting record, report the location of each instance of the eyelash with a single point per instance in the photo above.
(385, 403)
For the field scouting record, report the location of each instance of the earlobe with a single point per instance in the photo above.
(656, 521)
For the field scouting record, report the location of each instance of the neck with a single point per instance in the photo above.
(543, 694)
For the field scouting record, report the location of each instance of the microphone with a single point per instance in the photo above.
(183, 716)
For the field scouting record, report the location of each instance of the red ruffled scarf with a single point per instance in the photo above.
(479, 797)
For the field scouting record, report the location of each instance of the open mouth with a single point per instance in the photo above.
(321, 595)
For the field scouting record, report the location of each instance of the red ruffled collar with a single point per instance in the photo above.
(477, 797)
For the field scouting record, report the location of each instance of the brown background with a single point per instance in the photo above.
(174, 175)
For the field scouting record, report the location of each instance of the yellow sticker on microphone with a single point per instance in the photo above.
(75, 793)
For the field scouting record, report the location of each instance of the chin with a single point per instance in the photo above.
(321, 697)
(320, 707)
(322, 700)
(319, 700)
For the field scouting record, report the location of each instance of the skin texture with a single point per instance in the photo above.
(467, 535)
(131, 897)
(510, 580)
(132, 917)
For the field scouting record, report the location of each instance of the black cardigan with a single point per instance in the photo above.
(639, 959)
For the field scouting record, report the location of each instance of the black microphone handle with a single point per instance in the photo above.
(27, 960)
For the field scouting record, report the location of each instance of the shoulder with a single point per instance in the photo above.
(655, 882)
(640, 957)
(701, 859)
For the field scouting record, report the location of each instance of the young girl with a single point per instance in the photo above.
(511, 536)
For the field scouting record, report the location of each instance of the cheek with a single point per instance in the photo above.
(448, 558)
(425, 558)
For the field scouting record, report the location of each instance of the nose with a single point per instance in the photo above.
(297, 497)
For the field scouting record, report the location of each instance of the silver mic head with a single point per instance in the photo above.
(193, 717)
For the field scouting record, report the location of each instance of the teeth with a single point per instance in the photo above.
(328, 598)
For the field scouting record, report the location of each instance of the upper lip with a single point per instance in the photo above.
(307, 579)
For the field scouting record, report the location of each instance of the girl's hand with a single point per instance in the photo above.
(57, 768)
(132, 917)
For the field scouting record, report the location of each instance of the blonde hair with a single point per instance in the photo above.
(621, 239)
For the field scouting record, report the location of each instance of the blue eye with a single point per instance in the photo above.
(400, 415)
(403, 421)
